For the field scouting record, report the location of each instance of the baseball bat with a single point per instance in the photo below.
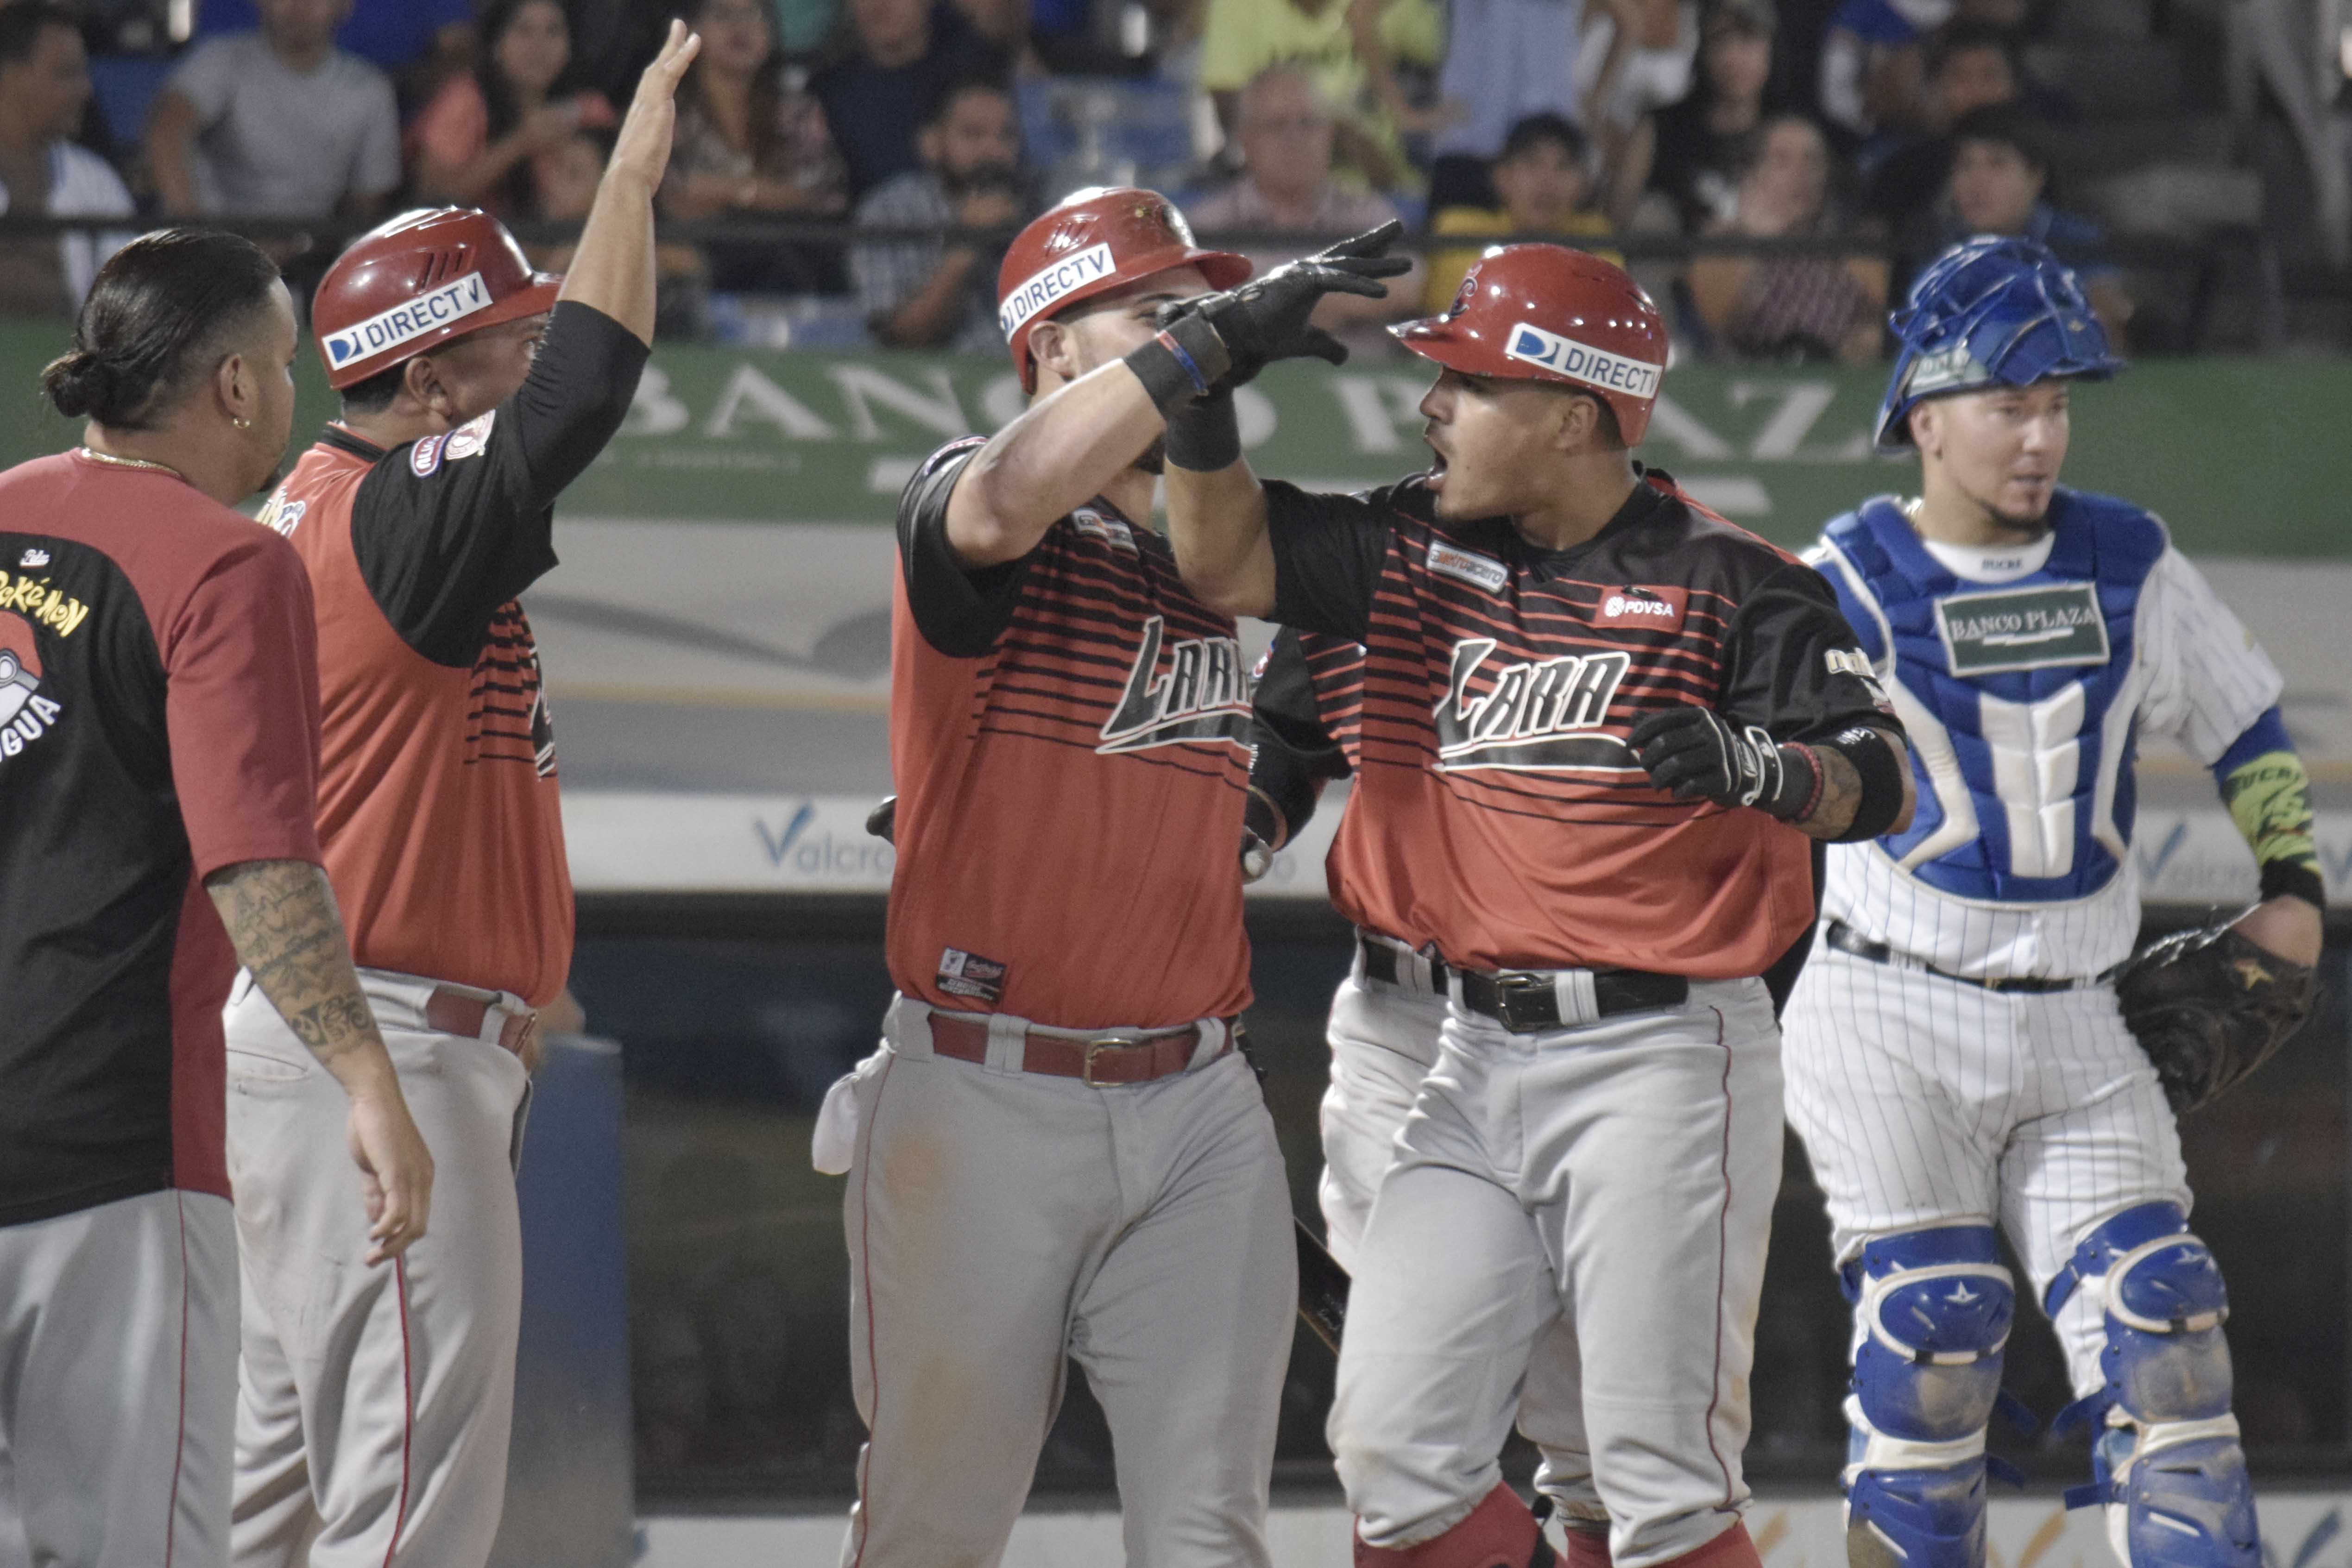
(1322, 1288)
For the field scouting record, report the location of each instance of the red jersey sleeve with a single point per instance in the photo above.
(243, 709)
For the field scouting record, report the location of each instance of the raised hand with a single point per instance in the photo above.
(643, 147)
(1269, 319)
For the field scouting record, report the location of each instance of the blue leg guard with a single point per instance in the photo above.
(1932, 1311)
(2166, 1464)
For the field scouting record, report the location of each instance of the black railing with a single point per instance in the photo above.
(2201, 261)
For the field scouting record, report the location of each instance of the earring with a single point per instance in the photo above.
(242, 423)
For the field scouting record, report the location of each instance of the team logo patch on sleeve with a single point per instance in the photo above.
(1581, 362)
(963, 974)
(1468, 566)
(424, 457)
(471, 437)
(1855, 663)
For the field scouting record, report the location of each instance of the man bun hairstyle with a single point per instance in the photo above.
(157, 308)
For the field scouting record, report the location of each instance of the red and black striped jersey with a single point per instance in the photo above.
(1069, 742)
(1498, 811)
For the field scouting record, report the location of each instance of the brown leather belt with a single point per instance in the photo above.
(1099, 1063)
(451, 1009)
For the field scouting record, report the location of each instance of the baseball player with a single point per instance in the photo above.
(376, 1406)
(1957, 1059)
(158, 743)
(1613, 721)
(1386, 1014)
(1058, 1151)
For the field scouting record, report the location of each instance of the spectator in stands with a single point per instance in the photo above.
(1999, 185)
(1789, 308)
(750, 142)
(1701, 142)
(1871, 66)
(1347, 49)
(1635, 59)
(418, 43)
(1286, 131)
(485, 139)
(44, 88)
(1544, 181)
(928, 294)
(1970, 67)
(1505, 60)
(280, 122)
(567, 179)
(904, 54)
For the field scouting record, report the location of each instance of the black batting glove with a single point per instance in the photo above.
(1693, 753)
(1218, 341)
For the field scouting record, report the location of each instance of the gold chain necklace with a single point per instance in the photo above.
(112, 461)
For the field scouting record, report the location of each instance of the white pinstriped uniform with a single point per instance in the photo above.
(1924, 1101)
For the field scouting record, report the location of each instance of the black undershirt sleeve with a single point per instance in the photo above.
(448, 528)
(961, 611)
(1292, 756)
(1793, 666)
(1328, 551)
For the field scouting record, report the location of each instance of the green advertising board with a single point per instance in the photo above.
(2242, 457)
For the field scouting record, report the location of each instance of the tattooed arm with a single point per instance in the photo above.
(282, 920)
(1843, 790)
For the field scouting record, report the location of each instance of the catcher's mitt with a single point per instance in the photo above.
(2209, 1007)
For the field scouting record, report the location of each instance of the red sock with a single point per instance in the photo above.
(1732, 1549)
(1498, 1533)
(1588, 1545)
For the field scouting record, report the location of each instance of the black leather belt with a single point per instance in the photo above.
(1386, 964)
(1845, 939)
(1525, 1001)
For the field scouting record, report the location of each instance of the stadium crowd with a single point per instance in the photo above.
(1889, 128)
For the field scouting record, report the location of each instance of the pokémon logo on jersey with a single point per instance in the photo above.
(25, 715)
(1536, 718)
(1204, 695)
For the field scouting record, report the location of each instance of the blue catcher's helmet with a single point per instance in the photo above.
(1988, 310)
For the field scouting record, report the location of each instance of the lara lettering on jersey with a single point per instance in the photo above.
(1533, 718)
(1204, 694)
(2023, 627)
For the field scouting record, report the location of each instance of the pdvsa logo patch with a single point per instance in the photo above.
(25, 715)
(1660, 608)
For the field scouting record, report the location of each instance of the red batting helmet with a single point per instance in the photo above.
(421, 279)
(1545, 313)
(1096, 240)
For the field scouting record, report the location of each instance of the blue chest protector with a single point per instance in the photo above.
(2017, 682)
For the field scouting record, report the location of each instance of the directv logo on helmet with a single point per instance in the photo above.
(453, 301)
(1581, 362)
